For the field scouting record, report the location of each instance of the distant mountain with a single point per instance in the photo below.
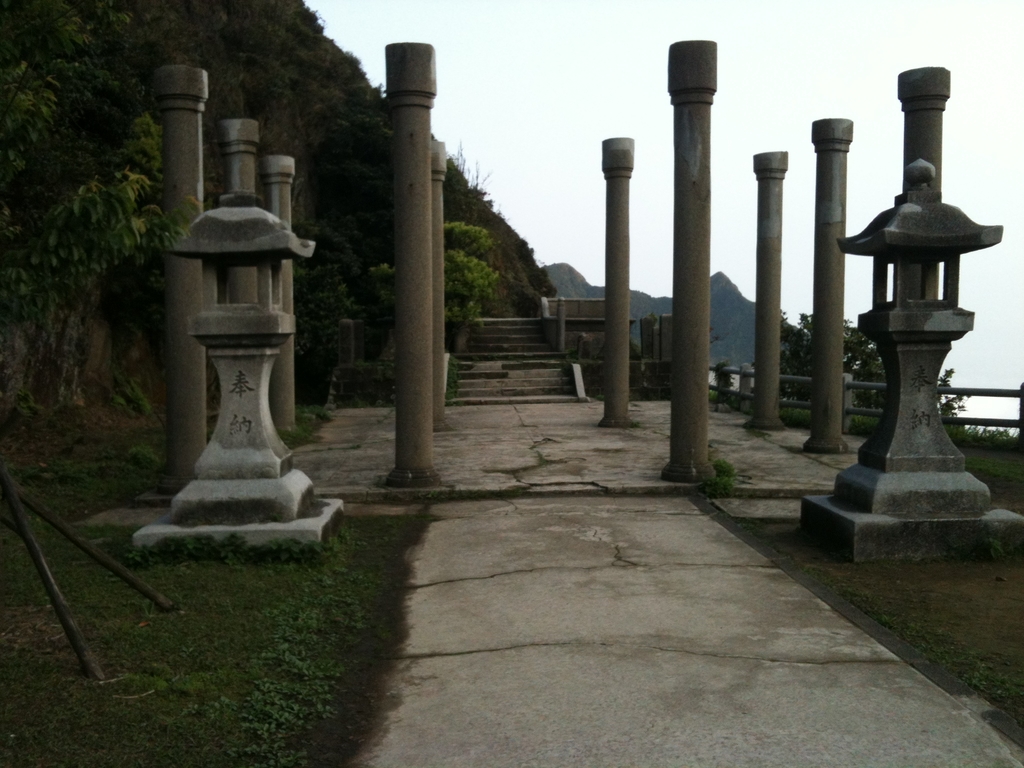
(732, 314)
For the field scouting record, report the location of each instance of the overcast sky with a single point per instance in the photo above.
(530, 89)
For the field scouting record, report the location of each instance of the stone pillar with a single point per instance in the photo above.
(770, 169)
(277, 173)
(617, 164)
(692, 82)
(746, 385)
(438, 170)
(560, 328)
(181, 94)
(831, 140)
(411, 87)
(923, 93)
(238, 141)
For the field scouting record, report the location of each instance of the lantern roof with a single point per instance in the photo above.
(920, 225)
(241, 233)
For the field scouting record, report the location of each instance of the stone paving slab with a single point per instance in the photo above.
(635, 631)
(558, 448)
(597, 705)
(761, 509)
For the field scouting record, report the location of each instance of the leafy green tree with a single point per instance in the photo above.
(72, 208)
(468, 282)
(860, 358)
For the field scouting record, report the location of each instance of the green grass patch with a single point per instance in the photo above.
(721, 485)
(795, 417)
(983, 437)
(1003, 468)
(259, 654)
(308, 419)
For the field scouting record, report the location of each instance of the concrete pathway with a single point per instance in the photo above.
(570, 626)
(556, 448)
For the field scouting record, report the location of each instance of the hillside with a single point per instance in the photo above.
(732, 314)
(267, 60)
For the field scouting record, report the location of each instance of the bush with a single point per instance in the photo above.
(721, 485)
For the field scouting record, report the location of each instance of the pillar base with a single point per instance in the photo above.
(823, 445)
(443, 426)
(867, 536)
(687, 473)
(413, 478)
(766, 425)
(615, 423)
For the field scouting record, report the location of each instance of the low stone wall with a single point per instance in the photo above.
(362, 384)
(648, 379)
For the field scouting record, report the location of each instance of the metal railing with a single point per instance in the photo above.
(744, 393)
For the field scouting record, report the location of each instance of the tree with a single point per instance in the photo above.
(72, 209)
(860, 358)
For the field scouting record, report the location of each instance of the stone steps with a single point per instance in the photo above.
(528, 347)
(498, 381)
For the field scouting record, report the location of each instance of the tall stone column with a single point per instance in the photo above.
(692, 82)
(831, 140)
(923, 93)
(181, 94)
(411, 87)
(770, 170)
(277, 173)
(617, 164)
(438, 170)
(238, 141)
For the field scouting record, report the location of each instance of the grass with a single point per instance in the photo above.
(307, 419)
(257, 656)
(1002, 468)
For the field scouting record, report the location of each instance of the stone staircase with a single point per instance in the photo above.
(509, 337)
(495, 382)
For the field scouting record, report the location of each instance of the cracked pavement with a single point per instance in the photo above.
(578, 611)
(635, 630)
(555, 448)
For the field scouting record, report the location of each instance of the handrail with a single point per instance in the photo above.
(878, 386)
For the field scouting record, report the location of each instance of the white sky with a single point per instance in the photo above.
(530, 89)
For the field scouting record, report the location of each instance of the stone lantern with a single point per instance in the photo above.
(245, 482)
(909, 495)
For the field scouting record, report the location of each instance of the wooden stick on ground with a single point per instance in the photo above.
(90, 666)
(161, 601)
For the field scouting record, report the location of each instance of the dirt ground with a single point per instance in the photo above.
(966, 615)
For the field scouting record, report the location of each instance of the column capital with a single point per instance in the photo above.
(693, 71)
(277, 169)
(411, 74)
(771, 165)
(617, 157)
(923, 88)
(833, 134)
(180, 87)
(438, 160)
(238, 135)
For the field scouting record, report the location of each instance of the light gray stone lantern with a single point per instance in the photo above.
(245, 482)
(909, 495)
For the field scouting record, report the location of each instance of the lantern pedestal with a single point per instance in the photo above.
(909, 496)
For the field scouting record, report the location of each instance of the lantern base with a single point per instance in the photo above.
(866, 536)
(239, 502)
(318, 528)
(913, 494)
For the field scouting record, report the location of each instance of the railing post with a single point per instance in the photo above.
(746, 386)
(560, 328)
(847, 402)
(1020, 420)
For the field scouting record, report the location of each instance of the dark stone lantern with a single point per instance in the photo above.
(909, 495)
(915, 316)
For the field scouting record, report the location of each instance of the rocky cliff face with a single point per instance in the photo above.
(732, 314)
